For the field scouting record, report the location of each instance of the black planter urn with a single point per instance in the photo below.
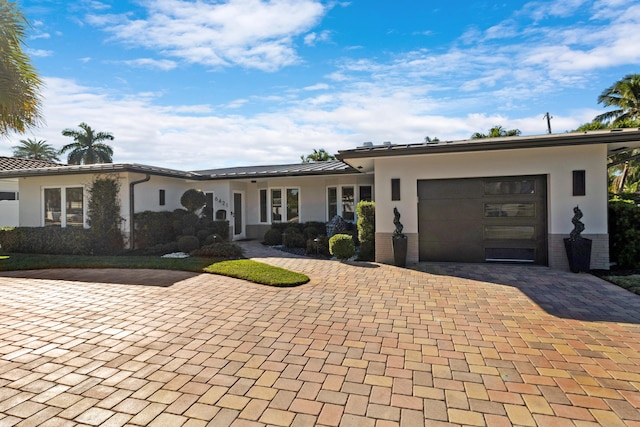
(578, 254)
(399, 250)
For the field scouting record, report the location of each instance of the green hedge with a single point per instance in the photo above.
(366, 230)
(47, 240)
(624, 233)
(160, 228)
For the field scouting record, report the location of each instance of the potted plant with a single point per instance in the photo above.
(578, 248)
(399, 241)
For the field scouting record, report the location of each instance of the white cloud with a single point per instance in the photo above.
(40, 53)
(312, 39)
(161, 64)
(249, 33)
(319, 86)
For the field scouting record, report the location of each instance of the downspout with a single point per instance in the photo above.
(132, 227)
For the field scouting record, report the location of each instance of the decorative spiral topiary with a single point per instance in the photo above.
(193, 199)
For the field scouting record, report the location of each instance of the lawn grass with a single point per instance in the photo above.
(630, 282)
(242, 269)
(257, 272)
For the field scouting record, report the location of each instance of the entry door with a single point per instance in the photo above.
(238, 216)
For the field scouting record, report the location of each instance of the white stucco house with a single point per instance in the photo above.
(501, 199)
(9, 192)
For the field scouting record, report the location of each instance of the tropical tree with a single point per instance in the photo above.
(623, 94)
(87, 147)
(36, 150)
(320, 155)
(496, 132)
(429, 139)
(20, 103)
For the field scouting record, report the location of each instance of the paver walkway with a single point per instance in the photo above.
(361, 345)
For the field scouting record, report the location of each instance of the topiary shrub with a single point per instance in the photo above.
(310, 232)
(341, 246)
(273, 237)
(219, 250)
(193, 200)
(292, 238)
(154, 228)
(624, 233)
(103, 211)
(188, 243)
(366, 230)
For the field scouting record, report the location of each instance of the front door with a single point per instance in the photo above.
(238, 216)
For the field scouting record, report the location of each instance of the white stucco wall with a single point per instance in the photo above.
(556, 162)
(31, 195)
(9, 208)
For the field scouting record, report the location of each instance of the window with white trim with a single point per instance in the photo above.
(64, 207)
(284, 204)
(341, 200)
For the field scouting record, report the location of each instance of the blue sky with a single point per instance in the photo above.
(205, 84)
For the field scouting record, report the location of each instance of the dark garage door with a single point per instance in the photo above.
(483, 219)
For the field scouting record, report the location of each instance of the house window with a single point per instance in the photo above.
(285, 205)
(276, 205)
(162, 197)
(579, 183)
(293, 205)
(8, 195)
(332, 202)
(348, 204)
(263, 205)
(366, 193)
(395, 189)
(342, 200)
(64, 207)
(207, 210)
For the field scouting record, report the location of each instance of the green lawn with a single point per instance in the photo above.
(257, 272)
(630, 282)
(242, 269)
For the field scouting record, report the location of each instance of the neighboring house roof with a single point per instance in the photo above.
(297, 169)
(615, 138)
(98, 168)
(13, 163)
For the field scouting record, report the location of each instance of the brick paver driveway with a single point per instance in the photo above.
(361, 345)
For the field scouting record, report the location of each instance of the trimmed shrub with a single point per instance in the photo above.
(47, 240)
(318, 246)
(103, 211)
(366, 229)
(154, 228)
(213, 238)
(189, 220)
(273, 237)
(188, 243)
(292, 238)
(624, 233)
(220, 228)
(202, 235)
(310, 232)
(219, 250)
(193, 199)
(341, 246)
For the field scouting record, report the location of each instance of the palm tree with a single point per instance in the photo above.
(87, 148)
(624, 94)
(320, 155)
(20, 104)
(36, 150)
(496, 132)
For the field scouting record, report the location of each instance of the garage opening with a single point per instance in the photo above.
(501, 219)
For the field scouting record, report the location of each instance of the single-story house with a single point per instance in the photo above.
(497, 199)
(9, 194)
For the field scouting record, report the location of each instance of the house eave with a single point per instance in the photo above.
(610, 137)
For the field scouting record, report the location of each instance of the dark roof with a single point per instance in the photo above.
(487, 144)
(97, 168)
(13, 163)
(297, 169)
